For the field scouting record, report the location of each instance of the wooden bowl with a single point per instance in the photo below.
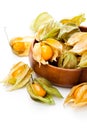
(59, 76)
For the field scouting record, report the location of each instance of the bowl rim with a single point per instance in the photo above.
(83, 29)
(53, 66)
(60, 68)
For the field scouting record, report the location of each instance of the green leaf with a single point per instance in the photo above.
(83, 61)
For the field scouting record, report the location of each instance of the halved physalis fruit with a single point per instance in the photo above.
(21, 45)
(18, 76)
(77, 95)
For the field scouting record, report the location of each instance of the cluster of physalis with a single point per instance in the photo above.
(62, 42)
(39, 89)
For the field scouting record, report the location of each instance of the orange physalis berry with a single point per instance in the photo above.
(38, 90)
(46, 52)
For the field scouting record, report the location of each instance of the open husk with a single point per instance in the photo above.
(21, 45)
(77, 95)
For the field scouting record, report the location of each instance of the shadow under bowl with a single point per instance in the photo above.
(59, 76)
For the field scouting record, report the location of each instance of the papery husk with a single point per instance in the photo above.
(48, 30)
(77, 95)
(79, 42)
(66, 48)
(27, 41)
(80, 93)
(10, 76)
(75, 20)
(76, 37)
(83, 61)
(18, 76)
(41, 19)
(66, 31)
(22, 83)
(46, 27)
(67, 60)
(37, 54)
(55, 43)
(48, 99)
(48, 87)
(56, 46)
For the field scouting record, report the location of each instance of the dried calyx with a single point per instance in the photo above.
(78, 95)
(67, 60)
(39, 89)
(42, 90)
(18, 76)
(21, 45)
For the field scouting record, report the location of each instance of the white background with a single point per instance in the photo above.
(17, 110)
